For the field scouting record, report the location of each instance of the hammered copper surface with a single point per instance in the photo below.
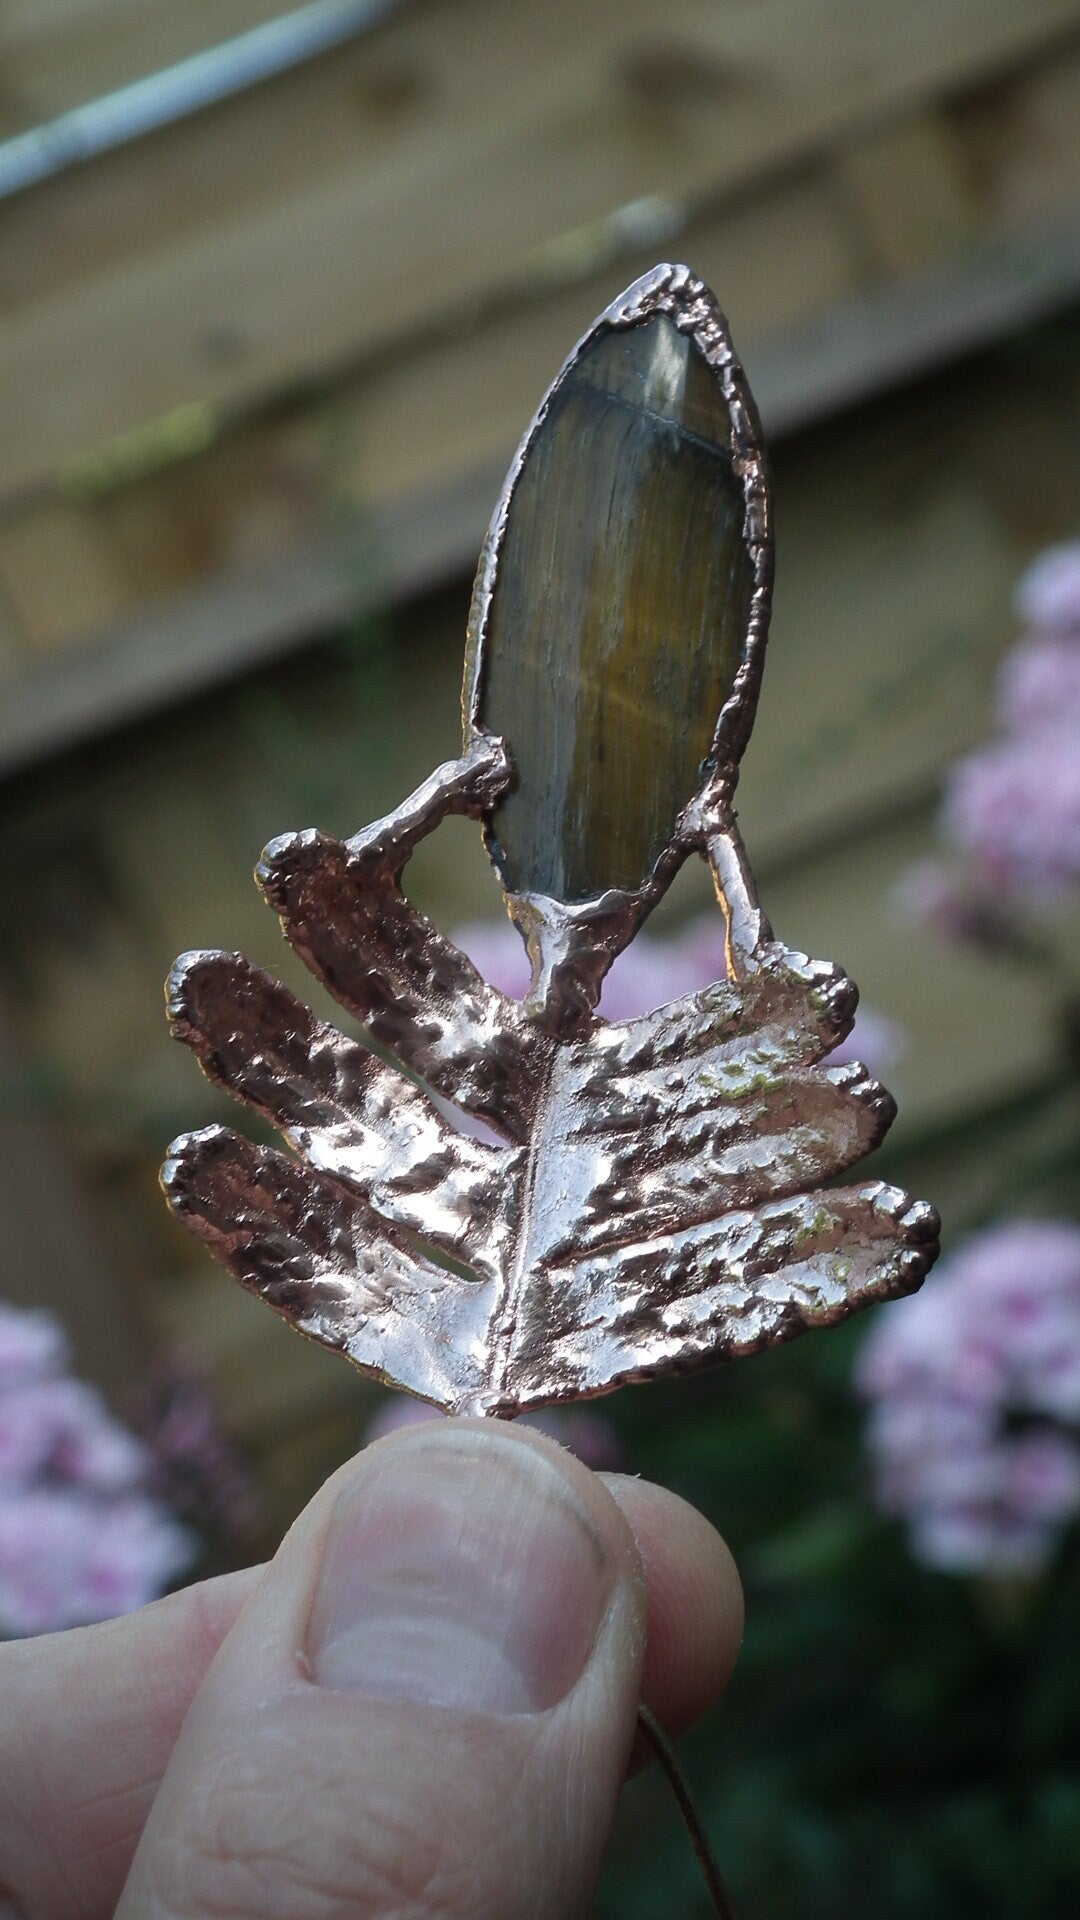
(655, 1203)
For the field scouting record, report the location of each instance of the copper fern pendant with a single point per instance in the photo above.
(656, 1202)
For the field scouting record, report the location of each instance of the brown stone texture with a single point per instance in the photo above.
(619, 614)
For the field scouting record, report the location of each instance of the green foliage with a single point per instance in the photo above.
(895, 1743)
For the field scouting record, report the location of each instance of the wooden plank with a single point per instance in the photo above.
(59, 576)
(933, 184)
(226, 626)
(1008, 282)
(340, 266)
(418, 419)
(57, 54)
(777, 258)
(906, 192)
(12, 638)
(53, 1250)
(1021, 138)
(225, 163)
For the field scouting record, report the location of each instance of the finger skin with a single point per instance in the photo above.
(696, 1609)
(299, 1791)
(89, 1718)
(425, 1805)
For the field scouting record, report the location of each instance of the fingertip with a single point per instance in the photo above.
(695, 1601)
(461, 1609)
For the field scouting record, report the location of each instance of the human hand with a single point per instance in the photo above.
(424, 1706)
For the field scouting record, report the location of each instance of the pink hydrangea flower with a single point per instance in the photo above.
(1039, 684)
(1011, 809)
(1014, 809)
(67, 1561)
(62, 1427)
(81, 1537)
(961, 1539)
(32, 1346)
(975, 1401)
(1048, 594)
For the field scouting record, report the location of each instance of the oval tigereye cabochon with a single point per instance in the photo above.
(619, 613)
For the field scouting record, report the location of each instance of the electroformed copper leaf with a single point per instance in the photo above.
(654, 1197)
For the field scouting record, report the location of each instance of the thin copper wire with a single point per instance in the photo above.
(699, 1839)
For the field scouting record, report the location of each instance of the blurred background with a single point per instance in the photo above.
(279, 291)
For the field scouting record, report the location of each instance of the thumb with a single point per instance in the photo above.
(425, 1709)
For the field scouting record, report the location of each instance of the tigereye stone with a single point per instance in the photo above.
(619, 614)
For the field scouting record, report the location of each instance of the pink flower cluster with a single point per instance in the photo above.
(653, 970)
(1012, 808)
(81, 1539)
(975, 1390)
